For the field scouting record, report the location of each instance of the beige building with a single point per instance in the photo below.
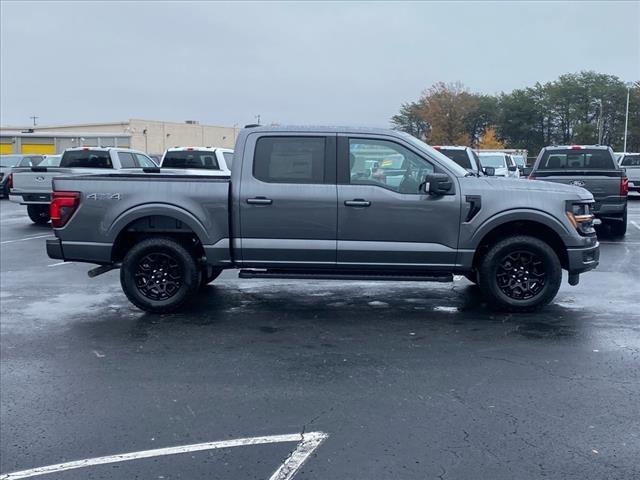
(150, 136)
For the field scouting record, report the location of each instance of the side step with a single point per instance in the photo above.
(346, 275)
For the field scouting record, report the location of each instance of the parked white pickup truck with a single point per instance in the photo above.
(32, 186)
(207, 158)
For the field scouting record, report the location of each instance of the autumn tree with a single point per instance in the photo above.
(489, 140)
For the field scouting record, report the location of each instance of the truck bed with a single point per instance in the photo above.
(112, 203)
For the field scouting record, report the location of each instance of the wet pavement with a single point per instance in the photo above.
(409, 380)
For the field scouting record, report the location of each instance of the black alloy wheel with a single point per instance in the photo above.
(521, 275)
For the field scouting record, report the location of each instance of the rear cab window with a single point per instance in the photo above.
(86, 159)
(290, 159)
(188, 159)
(459, 156)
(577, 159)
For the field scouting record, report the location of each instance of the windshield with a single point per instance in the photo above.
(458, 156)
(9, 160)
(51, 161)
(631, 161)
(205, 159)
(451, 165)
(577, 159)
(228, 159)
(494, 160)
(519, 159)
(86, 159)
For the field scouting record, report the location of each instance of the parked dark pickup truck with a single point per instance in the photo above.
(326, 203)
(593, 167)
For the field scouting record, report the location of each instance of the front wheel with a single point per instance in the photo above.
(158, 275)
(38, 214)
(520, 274)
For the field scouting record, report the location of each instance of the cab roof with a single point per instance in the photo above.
(197, 148)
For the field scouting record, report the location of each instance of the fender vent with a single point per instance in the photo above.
(475, 205)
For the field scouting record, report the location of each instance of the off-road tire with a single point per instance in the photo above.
(493, 264)
(39, 214)
(172, 262)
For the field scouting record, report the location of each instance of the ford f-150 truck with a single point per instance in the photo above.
(32, 186)
(326, 203)
(594, 168)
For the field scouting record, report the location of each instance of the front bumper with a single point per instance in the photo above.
(54, 249)
(583, 259)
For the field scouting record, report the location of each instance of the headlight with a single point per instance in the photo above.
(580, 216)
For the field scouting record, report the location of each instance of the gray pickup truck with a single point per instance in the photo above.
(326, 203)
(32, 186)
(593, 167)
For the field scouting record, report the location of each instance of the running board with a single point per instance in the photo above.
(345, 275)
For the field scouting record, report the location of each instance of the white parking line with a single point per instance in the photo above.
(636, 224)
(308, 442)
(25, 239)
(59, 263)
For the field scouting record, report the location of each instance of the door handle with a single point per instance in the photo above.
(358, 202)
(259, 201)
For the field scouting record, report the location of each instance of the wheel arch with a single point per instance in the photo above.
(157, 220)
(532, 223)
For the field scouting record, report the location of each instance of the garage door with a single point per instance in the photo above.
(42, 149)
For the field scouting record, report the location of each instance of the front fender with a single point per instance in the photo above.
(521, 214)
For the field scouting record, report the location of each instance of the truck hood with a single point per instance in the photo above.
(514, 185)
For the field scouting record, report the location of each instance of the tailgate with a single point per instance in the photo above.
(600, 184)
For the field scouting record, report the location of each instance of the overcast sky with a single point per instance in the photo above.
(293, 63)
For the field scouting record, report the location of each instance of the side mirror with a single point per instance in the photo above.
(437, 184)
(526, 171)
(489, 171)
(512, 168)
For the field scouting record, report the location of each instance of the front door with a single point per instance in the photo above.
(384, 221)
(288, 195)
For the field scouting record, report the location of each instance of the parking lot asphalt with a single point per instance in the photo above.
(408, 380)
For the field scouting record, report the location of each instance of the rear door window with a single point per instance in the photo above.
(583, 159)
(191, 159)
(290, 159)
(126, 160)
(86, 159)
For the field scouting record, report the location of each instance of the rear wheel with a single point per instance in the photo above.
(38, 214)
(618, 228)
(158, 275)
(520, 274)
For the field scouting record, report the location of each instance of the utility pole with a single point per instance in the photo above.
(34, 118)
(626, 118)
(600, 123)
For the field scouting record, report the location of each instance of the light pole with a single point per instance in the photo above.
(626, 117)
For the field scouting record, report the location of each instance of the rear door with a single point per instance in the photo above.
(288, 200)
(384, 221)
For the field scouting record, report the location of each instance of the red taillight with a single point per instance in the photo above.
(531, 177)
(576, 147)
(10, 181)
(624, 186)
(63, 204)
